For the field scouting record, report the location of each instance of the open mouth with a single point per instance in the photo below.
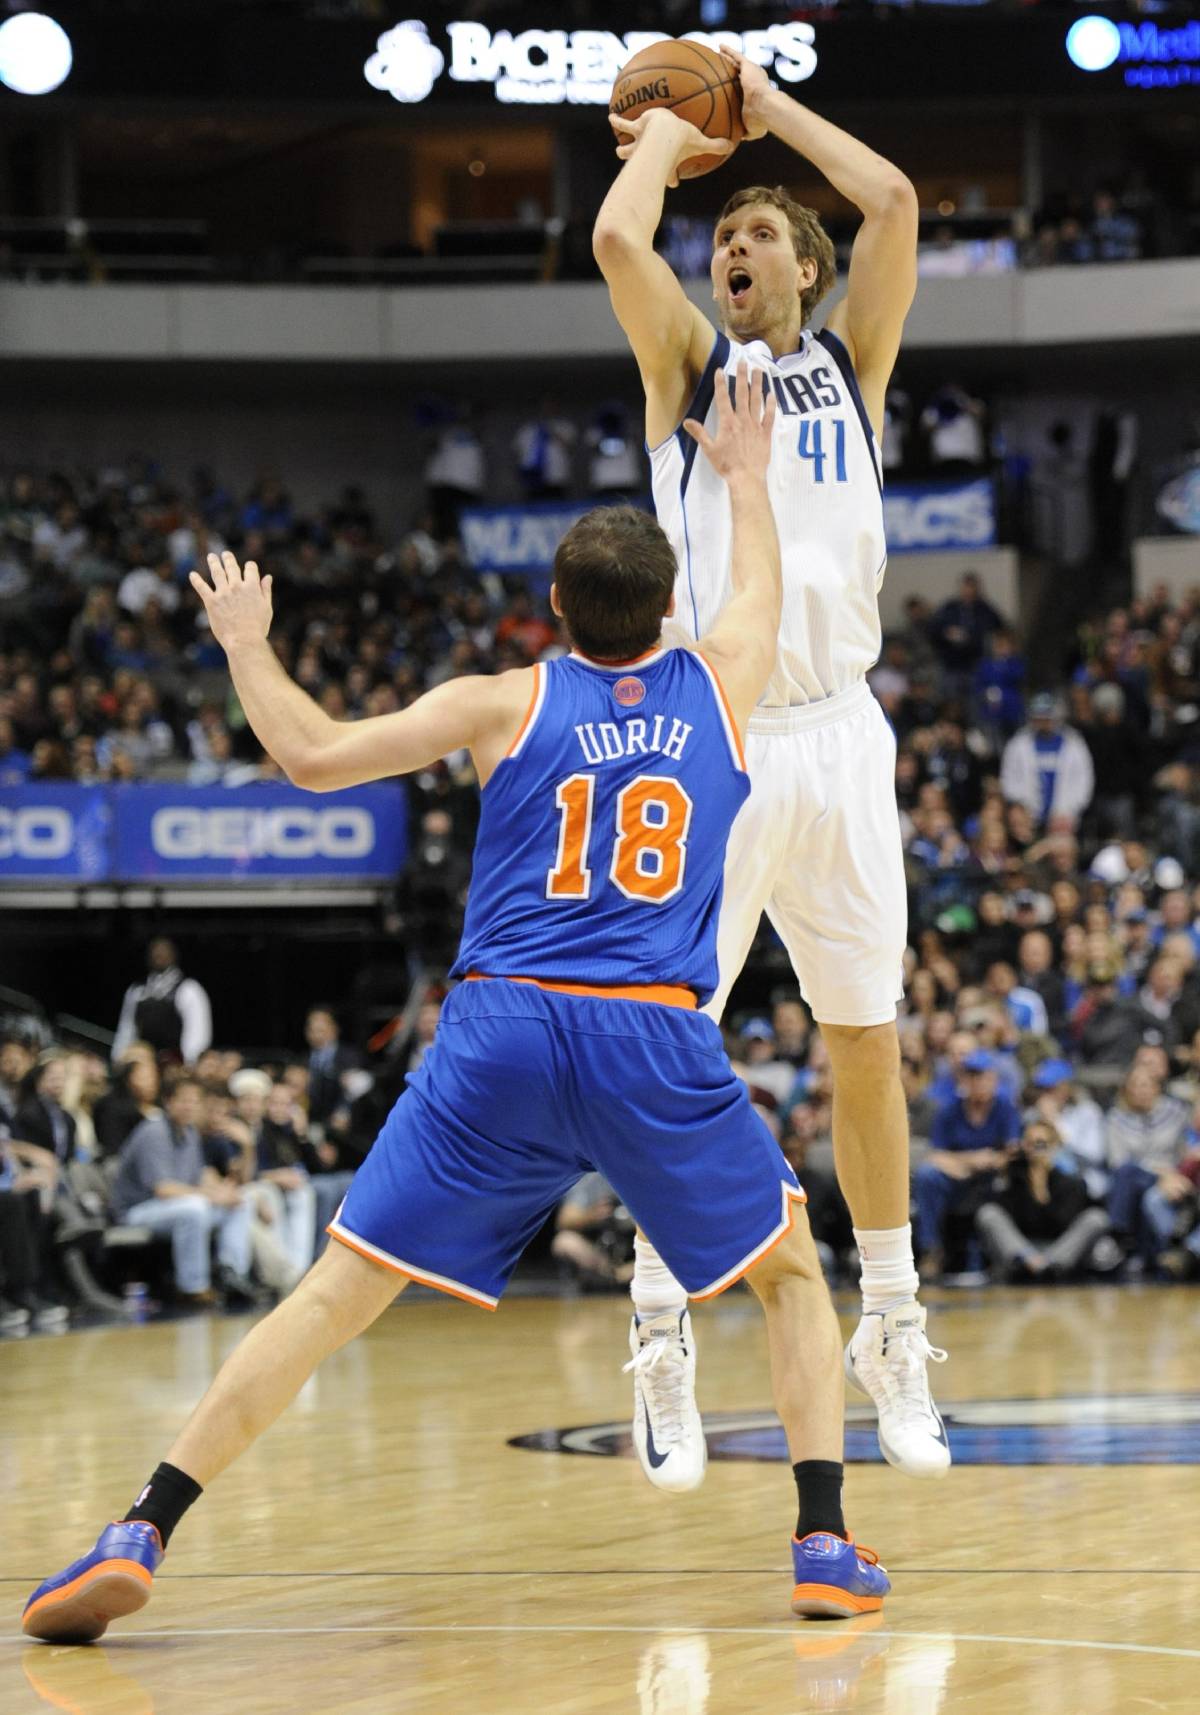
(739, 285)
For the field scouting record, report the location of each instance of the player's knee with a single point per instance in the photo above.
(793, 1260)
(868, 1052)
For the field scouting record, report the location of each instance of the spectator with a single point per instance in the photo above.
(1035, 971)
(17, 1060)
(26, 1292)
(998, 686)
(1115, 235)
(954, 423)
(41, 1118)
(168, 1010)
(614, 454)
(327, 1061)
(162, 1183)
(282, 1154)
(756, 1062)
(132, 1098)
(543, 448)
(593, 1236)
(1108, 1028)
(455, 476)
(1145, 1135)
(1047, 768)
(1120, 764)
(793, 1029)
(1037, 1223)
(972, 1134)
(960, 629)
(1076, 1119)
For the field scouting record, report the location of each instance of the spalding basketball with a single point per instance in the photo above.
(693, 81)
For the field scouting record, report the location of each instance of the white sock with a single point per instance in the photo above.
(654, 1289)
(889, 1274)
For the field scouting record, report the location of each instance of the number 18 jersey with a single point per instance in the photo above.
(602, 834)
(826, 490)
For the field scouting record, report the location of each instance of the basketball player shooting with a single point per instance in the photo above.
(574, 1041)
(817, 846)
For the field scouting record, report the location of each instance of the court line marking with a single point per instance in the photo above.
(784, 1629)
(673, 1572)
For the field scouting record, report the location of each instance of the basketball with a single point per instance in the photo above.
(693, 81)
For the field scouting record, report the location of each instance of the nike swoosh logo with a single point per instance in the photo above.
(656, 1458)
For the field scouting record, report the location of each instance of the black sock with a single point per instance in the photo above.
(165, 1499)
(819, 1486)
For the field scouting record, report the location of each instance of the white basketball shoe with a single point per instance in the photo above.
(886, 1359)
(667, 1431)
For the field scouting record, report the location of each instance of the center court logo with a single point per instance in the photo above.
(1122, 1429)
(629, 692)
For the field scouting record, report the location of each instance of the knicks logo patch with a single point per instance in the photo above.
(629, 692)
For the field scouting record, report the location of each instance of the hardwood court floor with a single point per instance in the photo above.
(383, 1549)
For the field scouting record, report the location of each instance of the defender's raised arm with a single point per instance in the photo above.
(317, 752)
(742, 644)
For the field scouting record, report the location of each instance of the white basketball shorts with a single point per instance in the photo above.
(817, 847)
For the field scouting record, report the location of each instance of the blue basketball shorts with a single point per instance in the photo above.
(524, 1090)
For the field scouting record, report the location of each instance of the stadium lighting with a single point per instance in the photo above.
(35, 54)
(1093, 44)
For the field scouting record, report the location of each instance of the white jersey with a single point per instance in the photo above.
(826, 488)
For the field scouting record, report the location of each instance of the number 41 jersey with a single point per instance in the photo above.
(825, 486)
(602, 836)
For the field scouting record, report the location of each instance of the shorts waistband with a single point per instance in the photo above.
(661, 994)
(801, 717)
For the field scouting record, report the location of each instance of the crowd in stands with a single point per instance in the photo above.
(212, 1179)
(1050, 1033)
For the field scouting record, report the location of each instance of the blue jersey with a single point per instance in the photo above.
(602, 837)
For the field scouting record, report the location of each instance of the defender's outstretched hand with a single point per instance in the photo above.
(238, 601)
(742, 446)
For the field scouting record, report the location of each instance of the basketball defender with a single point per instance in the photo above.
(610, 781)
(818, 844)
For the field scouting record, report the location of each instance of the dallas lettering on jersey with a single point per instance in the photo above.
(604, 741)
(800, 394)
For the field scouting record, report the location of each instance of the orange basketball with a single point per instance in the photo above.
(693, 81)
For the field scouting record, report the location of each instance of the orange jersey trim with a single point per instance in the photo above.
(661, 994)
(529, 712)
(733, 731)
(791, 1198)
(452, 1290)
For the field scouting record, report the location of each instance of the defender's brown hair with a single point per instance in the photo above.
(615, 571)
(810, 240)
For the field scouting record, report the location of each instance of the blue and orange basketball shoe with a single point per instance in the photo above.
(111, 1580)
(835, 1578)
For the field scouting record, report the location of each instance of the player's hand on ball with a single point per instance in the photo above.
(756, 87)
(742, 445)
(690, 141)
(238, 601)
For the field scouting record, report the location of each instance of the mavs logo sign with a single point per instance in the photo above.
(1125, 1429)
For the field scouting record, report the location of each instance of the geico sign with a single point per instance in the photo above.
(41, 832)
(963, 517)
(297, 833)
(549, 66)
